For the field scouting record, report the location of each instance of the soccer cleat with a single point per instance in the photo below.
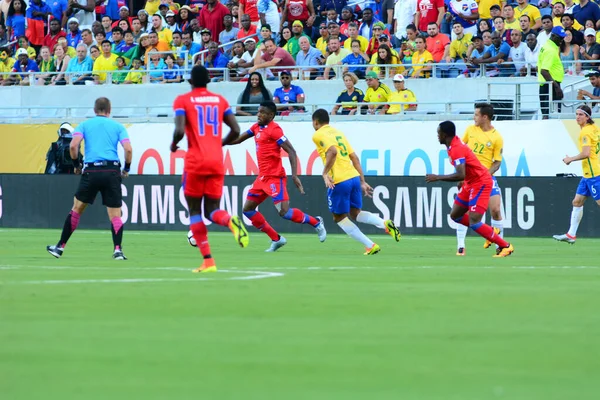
(565, 238)
(373, 250)
(392, 230)
(239, 231)
(321, 230)
(461, 251)
(208, 265)
(276, 245)
(488, 243)
(505, 251)
(55, 250)
(118, 255)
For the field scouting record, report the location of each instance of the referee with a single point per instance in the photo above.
(101, 173)
(551, 70)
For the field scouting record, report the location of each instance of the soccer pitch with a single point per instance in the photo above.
(312, 321)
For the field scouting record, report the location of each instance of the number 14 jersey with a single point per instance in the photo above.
(204, 112)
(343, 169)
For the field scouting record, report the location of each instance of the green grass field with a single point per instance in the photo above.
(313, 321)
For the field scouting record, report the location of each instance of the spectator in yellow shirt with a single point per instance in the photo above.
(385, 56)
(524, 8)
(454, 61)
(151, 6)
(164, 34)
(353, 35)
(484, 8)
(106, 62)
(401, 95)
(510, 22)
(136, 74)
(421, 56)
(377, 92)
(322, 41)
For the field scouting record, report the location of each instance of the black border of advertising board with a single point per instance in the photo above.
(532, 206)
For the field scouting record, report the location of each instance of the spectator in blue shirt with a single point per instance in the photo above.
(189, 46)
(58, 9)
(357, 57)
(15, 21)
(585, 10)
(288, 94)
(499, 50)
(21, 69)
(80, 68)
(117, 39)
(308, 56)
(228, 34)
(336, 5)
(74, 35)
(215, 59)
(172, 74)
(38, 10)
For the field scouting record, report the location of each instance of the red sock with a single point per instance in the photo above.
(464, 220)
(488, 233)
(220, 217)
(201, 236)
(260, 223)
(297, 216)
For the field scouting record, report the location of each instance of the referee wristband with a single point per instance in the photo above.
(127, 167)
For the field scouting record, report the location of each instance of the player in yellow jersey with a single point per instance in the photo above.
(486, 143)
(346, 183)
(589, 149)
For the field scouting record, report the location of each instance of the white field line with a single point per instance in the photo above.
(249, 275)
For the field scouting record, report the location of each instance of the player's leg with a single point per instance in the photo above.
(461, 202)
(86, 193)
(581, 195)
(116, 228)
(256, 195)
(496, 213)
(109, 185)
(338, 199)
(213, 190)
(198, 228)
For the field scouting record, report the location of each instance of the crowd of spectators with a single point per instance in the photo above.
(155, 41)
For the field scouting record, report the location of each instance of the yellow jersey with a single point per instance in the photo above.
(422, 58)
(364, 43)
(379, 95)
(402, 96)
(590, 136)
(487, 146)
(459, 47)
(343, 169)
(531, 11)
(484, 7)
(576, 25)
(104, 64)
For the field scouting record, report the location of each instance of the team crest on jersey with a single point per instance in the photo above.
(489, 144)
(321, 143)
(273, 189)
(465, 7)
(258, 135)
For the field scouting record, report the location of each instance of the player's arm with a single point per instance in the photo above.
(367, 189)
(585, 153)
(458, 175)
(287, 146)
(234, 129)
(330, 157)
(179, 132)
(241, 138)
(495, 167)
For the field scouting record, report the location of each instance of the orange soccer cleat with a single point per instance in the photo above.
(207, 266)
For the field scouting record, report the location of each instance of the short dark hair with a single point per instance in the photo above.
(355, 41)
(547, 17)
(485, 109)
(321, 116)
(448, 128)
(412, 27)
(200, 76)
(456, 22)
(105, 41)
(269, 40)
(570, 16)
(131, 33)
(87, 30)
(502, 18)
(432, 23)
(117, 29)
(270, 106)
(102, 105)
(177, 33)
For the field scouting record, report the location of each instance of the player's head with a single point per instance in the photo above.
(446, 132)
(483, 112)
(199, 77)
(320, 118)
(583, 115)
(266, 112)
(102, 106)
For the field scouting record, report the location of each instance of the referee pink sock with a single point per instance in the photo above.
(69, 227)
(220, 217)
(297, 216)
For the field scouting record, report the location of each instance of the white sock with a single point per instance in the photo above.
(365, 217)
(576, 216)
(461, 234)
(499, 225)
(354, 232)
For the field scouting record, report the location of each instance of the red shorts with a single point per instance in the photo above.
(264, 187)
(475, 197)
(198, 186)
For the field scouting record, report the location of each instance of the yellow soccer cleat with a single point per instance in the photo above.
(373, 250)
(207, 266)
(487, 243)
(505, 252)
(239, 231)
(392, 230)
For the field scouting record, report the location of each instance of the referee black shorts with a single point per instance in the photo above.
(104, 179)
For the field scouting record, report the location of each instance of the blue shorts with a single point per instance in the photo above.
(589, 187)
(345, 195)
(495, 188)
